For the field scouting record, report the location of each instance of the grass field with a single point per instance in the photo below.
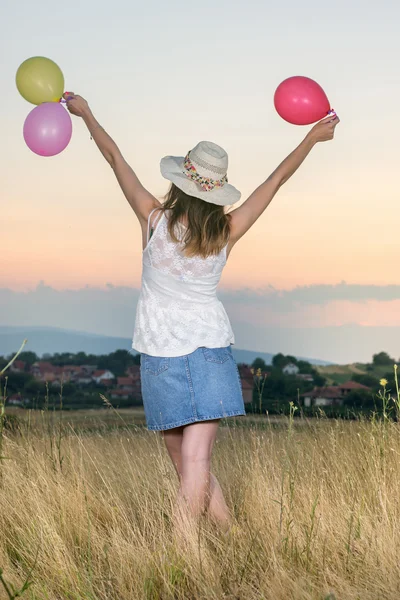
(88, 505)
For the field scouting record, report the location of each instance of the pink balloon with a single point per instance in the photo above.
(48, 129)
(301, 101)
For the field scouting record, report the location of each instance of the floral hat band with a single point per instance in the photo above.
(206, 183)
(202, 174)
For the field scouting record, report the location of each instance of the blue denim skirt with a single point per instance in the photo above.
(200, 386)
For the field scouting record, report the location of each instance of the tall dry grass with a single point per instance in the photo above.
(316, 508)
(87, 514)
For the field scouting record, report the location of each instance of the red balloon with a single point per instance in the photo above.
(301, 101)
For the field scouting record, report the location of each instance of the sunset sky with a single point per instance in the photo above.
(160, 76)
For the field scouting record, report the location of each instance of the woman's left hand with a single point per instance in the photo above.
(76, 104)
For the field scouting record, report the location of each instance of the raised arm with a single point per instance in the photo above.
(138, 197)
(247, 214)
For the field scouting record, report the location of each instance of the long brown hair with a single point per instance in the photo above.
(208, 225)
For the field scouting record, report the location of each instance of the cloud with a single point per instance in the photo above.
(322, 294)
(343, 344)
(320, 321)
(111, 311)
(108, 311)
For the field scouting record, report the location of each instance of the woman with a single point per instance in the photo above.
(189, 376)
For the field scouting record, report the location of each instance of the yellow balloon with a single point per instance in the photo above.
(39, 80)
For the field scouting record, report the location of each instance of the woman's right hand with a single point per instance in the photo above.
(76, 104)
(325, 129)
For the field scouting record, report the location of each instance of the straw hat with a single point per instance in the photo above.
(202, 173)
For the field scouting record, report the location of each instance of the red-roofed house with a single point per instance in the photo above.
(71, 372)
(133, 371)
(245, 371)
(331, 395)
(247, 390)
(89, 369)
(305, 376)
(41, 367)
(349, 386)
(18, 366)
(128, 387)
(45, 371)
(119, 394)
(102, 376)
(126, 383)
(247, 381)
(83, 378)
(16, 400)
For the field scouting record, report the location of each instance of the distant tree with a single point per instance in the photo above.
(117, 362)
(259, 363)
(81, 358)
(34, 387)
(28, 357)
(69, 389)
(291, 359)
(319, 380)
(279, 360)
(359, 399)
(279, 386)
(63, 359)
(276, 385)
(136, 358)
(16, 381)
(365, 379)
(305, 367)
(382, 358)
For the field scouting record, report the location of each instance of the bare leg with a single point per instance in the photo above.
(173, 442)
(199, 487)
(213, 500)
(217, 509)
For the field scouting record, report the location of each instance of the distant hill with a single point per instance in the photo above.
(50, 340)
(338, 374)
(248, 356)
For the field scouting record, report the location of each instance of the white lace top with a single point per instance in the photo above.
(178, 309)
